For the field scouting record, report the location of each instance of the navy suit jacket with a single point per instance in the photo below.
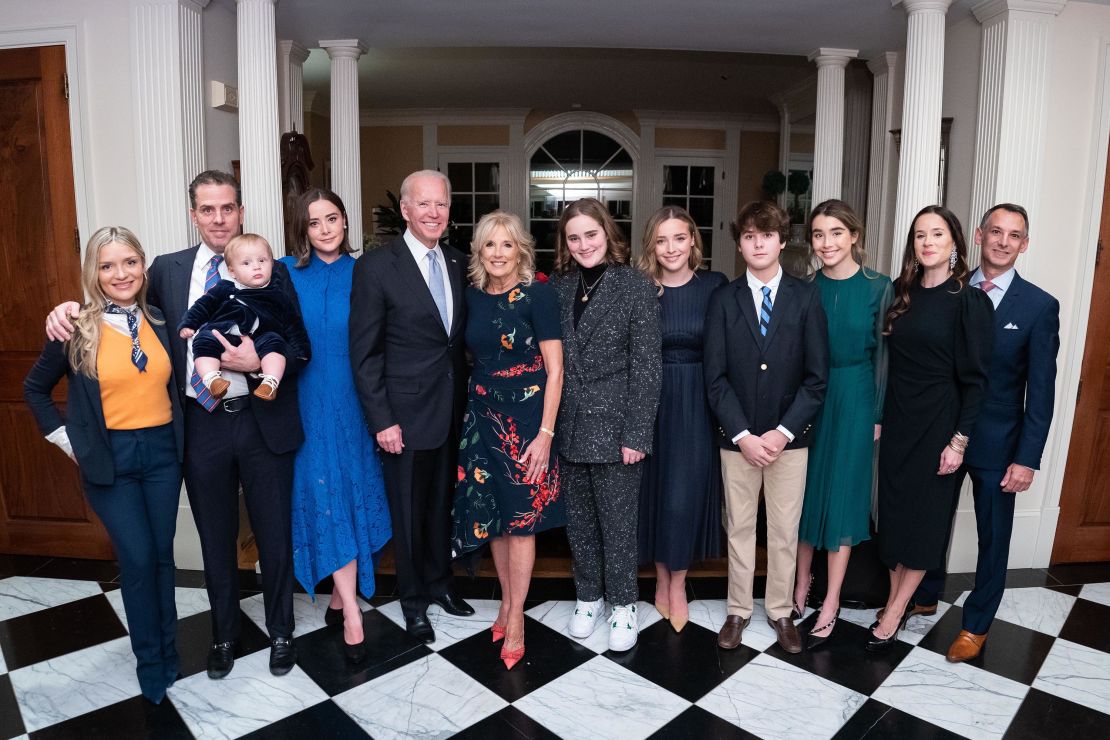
(280, 419)
(755, 382)
(1021, 386)
(84, 419)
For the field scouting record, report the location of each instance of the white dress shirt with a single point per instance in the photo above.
(1001, 284)
(420, 254)
(196, 290)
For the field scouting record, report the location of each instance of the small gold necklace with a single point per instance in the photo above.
(586, 290)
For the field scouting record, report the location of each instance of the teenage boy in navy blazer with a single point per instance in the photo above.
(766, 367)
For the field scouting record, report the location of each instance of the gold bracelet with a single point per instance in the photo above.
(548, 432)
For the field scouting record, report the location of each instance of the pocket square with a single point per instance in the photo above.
(1010, 326)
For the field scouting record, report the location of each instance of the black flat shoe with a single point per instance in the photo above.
(813, 640)
(453, 605)
(356, 653)
(420, 628)
(333, 617)
(221, 658)
(283, 655)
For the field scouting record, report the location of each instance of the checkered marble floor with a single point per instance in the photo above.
(66, 670)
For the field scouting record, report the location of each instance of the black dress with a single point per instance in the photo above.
(939, 351)
(680, 495)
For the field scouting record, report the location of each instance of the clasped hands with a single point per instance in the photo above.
(762, 450)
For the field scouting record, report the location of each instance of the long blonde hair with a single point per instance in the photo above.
(86, 332)
(649, 262)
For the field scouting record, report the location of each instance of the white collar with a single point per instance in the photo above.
(773, 283)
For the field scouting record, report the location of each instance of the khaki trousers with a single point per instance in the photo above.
(784, 483)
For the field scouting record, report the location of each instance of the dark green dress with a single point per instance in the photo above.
(837, 505)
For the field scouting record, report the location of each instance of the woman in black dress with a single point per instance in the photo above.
(680, 495)
(939, 335)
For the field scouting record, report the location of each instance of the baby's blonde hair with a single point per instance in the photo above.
(244, 240)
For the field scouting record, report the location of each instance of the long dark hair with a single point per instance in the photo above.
(616, 248)
(912, 269)
(299, 245)
(843, 213)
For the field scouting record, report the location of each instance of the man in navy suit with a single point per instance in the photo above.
(1005, 448)
(766, 368)
(407, 334)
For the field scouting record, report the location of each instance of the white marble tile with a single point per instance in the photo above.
(771, 698)
(248, 699)
(428, 698)
(1036, 608)
(449, 629)
(601, 699)
(307, 616)
(189, 601)
(556, 615)
(956, 696)
(711, 613)
(3, 664)
(21, 595)
(76, 683)
(1099, 592)
(1076, 673)
(916, 628)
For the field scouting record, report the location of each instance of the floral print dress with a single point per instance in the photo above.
(503, 414)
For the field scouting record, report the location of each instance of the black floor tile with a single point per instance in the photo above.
(80, 570)
(1011, 651)
(548, 655)
(132, 718)
(324, 720)
(508, 724)
(1069, 590)
(388, 647)
(843, 659)
(189, 578)
(1028, 578)
(875, 720)
(688, 663)
(1043, 715)
(1087, 625)
(550, 589)
(11, 722)
(21, 565)
(1073, 573)
(194, 637)
(48, 633)
(695, 722)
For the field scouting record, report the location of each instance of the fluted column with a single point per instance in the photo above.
(828, 140)
(346, 169)
(919, 164)
(1009, 137)
(166, 46)
(882, 155)
(784, 147)
(259, 137)
(290, 71)
(857, 131)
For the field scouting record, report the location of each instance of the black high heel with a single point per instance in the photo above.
(877, 644)
(333, 617)
(813, 640)
(357, 653)
(798, 612)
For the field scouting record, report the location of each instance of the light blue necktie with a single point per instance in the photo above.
(435, 284)
(765, 311)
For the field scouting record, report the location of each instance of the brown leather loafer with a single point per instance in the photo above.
(786, 634)
(729, 636)
(913, 610)
(965, 647)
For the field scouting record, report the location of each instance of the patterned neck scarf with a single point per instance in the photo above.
(138, 357)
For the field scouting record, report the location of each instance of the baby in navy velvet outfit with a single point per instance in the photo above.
(251, 304)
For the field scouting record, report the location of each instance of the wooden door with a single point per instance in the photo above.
(42, 508)
(1083, 530)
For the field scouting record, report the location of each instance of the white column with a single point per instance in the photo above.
(166, 46)
(290, 71)
(1009, 137)
(784, 147)
(882, 158)
(346, 162)
(857, 130)
(828, 141)
(919, 164)
(259, 137)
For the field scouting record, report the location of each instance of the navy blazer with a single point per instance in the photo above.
(1021, 385)
(407, 369)
(755, 382)
(279, 420)
(84, 419)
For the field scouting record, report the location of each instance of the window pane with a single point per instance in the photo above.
(675, 201)
(462, 208)
(706, 241)
(459, 237)
(486, 177)
(565, 148)
(702, 181)
(597, 149)
(483, 204)
(461, 176)
(701, 209)
(674, 182)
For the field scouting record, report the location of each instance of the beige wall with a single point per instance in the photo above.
(472, 135)
(801, 143)
(317, 129)
(759, 152)
(388, 154)
(689, 138)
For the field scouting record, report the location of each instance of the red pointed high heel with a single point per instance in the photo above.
(498, 631)
(511, 657)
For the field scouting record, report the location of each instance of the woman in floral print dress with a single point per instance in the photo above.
(508, 477)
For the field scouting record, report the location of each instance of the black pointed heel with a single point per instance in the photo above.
(799, 611)
(813, 641)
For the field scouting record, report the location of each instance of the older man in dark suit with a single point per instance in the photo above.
(239, 439)
(1006, 446)
(766, 368)
(407, 350)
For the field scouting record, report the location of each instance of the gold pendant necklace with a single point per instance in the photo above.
(586, 290)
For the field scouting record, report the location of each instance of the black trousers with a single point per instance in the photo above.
(223, 448)
(418, 484)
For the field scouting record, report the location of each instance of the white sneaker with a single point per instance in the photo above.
(587, 616)
(623, 628)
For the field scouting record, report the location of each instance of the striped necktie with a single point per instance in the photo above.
(204, 398)
(765, 311)
(138, 357)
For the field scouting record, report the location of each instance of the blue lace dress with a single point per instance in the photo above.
(340, 512)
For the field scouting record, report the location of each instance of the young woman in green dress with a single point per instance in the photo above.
(837, 507)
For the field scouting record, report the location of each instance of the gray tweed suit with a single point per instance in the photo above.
(613, 367)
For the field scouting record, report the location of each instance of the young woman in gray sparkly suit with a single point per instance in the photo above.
(613, 364)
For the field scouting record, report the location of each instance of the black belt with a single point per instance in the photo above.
(231, 405)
